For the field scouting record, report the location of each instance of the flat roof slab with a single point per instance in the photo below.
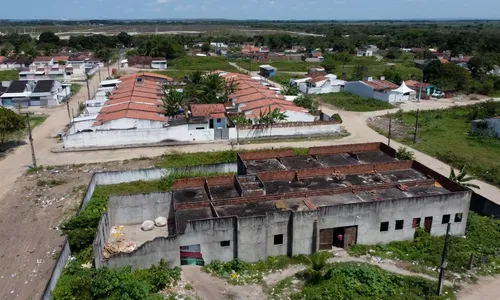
(247, 209)
(223, 192)
(335, 199)
(300, 162)
(403, 175)
(184, 216)
(374, 157)
(304, 185)
(335, 160)
(190, 195)
(264, 165)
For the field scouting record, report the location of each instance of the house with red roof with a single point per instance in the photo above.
(379, 89)
(207, 116)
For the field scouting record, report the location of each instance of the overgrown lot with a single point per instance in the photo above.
(362, 281)
(482, 240)
(8, 75)
(351, 102)
(207, 63)
(445, 134)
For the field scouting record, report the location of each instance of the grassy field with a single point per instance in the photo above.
(207, 63)
(284, 78)
(444, 134)
(351, 102)
(9, 75)
(175, 74)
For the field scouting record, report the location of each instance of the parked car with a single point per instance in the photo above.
(438, 94)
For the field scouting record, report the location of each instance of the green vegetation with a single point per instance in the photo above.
(462, 178)
(284, 78)
(240, 272)
(176, 160)
(51, 182)
(207, 63)
(444, 134)
(362, 281)
(8, 75)
(482, 241)
(177, 75)
(114, 284)
(337, 117)
(351, 102)
(404, 154)
(10, 131)
(75, 88)
(308, 102)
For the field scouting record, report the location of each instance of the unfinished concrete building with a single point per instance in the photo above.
(280, 203)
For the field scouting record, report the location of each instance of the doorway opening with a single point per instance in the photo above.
(428, 224)
(191, 255)
(340, 237)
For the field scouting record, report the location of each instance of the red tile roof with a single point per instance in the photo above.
(43, 58)
(134, 99)
(131, 106)
(264, 103)
(206, 110)
(443, 60)
(317, 54)
(415, 85)
(61, 58)
(2, 58)
(380, 85)
(466, 59)
(131, 114)
(146, 75)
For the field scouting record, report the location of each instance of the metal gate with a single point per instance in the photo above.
(325, 239)
(350, 236)
(221, 133)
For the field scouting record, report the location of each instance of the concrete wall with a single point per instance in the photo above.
(149, 253)
(277, 224)
(182, 133)
(368, 216)
(135, 209)
(209, 234)
(252, 238)
(251, 133)
(103, 232)
(305, 233)
(358, 88)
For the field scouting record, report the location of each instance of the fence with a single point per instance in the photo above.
(114, 177)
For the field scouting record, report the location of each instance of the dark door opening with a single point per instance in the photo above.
(340, 237)
(428, 224)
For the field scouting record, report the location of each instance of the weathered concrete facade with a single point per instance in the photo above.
(297, 206)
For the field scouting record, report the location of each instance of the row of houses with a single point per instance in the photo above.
(24, 93)
(130, 110)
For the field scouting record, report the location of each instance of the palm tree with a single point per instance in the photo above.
(239, 120)
(316, 264)
(289, 90)
(105, 54)
(462, 179)
(172, 101)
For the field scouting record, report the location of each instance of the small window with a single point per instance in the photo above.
(225, 243)
(198, 128)
(458, 217)
(384, 226)
(445, 219)
(416, 223)
(218, 120)
(399, 224)
(278, 239)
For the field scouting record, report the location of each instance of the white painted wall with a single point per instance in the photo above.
(181, 133)
(128, 123)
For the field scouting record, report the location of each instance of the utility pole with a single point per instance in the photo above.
(31, 140)
(443, 261)
(389, 134)
(421, 83)
(416, 128)
(99, 69)
(67, 105)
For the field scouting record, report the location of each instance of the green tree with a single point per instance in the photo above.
(479, 66)
(210, 88)
(173, 100)
(316, 264)
(448, 77)
(48, 37)
(393, 53)
(360, 72)
(289, 90)
(10, 122)
(239, 120)
(125, 39)
(307, 101)
(393, 75)
(404, 154)
(205, 47)
(462, 178)
(105, 54)
(270, 116)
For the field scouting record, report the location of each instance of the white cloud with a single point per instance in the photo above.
(271, 3)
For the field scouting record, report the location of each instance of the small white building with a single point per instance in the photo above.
(160, 64)
(43, 93)
(112, 83)
(380, 89)
(319, 85)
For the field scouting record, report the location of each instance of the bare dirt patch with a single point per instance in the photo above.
(398, 129)
(30, 215)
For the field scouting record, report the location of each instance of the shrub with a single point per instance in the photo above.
(337, 117)
(404, 154)
(306, 101)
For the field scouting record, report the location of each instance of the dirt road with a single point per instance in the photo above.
(487, 288)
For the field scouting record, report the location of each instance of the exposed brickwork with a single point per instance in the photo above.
(344, 149)
(221, 180)
(278, 175)
(266, 154)
(188, 183)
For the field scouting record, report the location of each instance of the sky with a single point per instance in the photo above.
(250, 9)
